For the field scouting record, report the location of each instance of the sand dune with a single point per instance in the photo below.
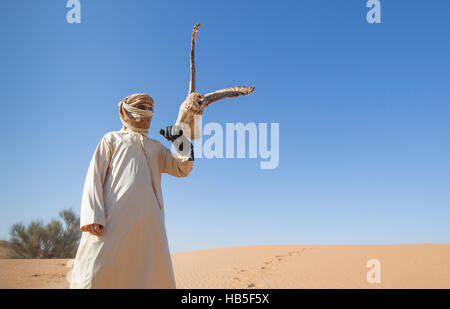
(273, 266)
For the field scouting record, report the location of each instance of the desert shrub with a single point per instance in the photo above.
(55, 240)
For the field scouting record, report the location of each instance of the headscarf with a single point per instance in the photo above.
(134, 118)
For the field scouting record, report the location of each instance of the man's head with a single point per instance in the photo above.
(136, 112)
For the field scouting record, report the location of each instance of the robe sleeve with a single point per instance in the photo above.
(175, 164)
(92, 203)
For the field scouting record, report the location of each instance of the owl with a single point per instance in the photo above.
(191, 110)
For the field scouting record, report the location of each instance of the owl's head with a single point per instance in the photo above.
(195, 102)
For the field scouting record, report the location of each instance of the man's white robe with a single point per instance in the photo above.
(124, 195)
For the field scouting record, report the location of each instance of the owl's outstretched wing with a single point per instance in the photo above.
(232, 92)
(194, 37)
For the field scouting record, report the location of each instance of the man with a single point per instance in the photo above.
(124, 242)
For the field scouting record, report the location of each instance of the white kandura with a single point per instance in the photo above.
(122, 192)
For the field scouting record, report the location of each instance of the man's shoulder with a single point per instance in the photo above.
(155, 142)
(111, 134)
(120, 134)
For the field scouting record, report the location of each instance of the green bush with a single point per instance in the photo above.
(39, 241)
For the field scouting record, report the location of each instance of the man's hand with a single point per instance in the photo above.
(171, 133)
(95, 229)
(181, 143)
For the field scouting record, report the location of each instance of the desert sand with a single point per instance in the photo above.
(272, 266)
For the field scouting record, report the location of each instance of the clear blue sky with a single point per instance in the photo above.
(363, 110)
